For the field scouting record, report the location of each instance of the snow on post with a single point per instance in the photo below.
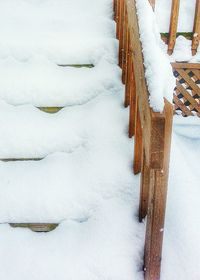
(158, 70)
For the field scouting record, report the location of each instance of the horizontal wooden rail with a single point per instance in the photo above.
(152, 136)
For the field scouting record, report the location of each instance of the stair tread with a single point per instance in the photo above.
(106, 238)
(45, 84)
(57, 31)
(66, 184)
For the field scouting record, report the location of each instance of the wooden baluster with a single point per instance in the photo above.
(196, 29)
(127, 73)
(138, 141)
(144, 188)
(132, 88)
(121, 31)
(125, 48)
(173, 25)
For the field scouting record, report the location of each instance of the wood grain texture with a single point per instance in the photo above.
(173, 25)
(196, 29)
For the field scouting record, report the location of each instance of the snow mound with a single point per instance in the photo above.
(41, 83)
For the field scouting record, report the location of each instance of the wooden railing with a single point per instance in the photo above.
(152, 133)
(174, 24)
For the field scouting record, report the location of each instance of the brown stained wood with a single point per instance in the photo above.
(152, 3)
(157, 201)
(179, 105)
(125, 48)
(115, 8)
(121, 31)
(187, 92)
(173, 25)
(137, 165)
(138, 68)
(144, 189)
(132, 100)
(36, 227)
(187, 96)
(128, 73)
(152, 138)
(196, 29)
(117, 17)
(189, 80)
(177, 65)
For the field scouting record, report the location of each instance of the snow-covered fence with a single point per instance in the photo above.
(174, 24)
(152, 131)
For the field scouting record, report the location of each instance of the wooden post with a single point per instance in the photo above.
(161, 131)
(173, 25)
(138, 142)
(196, 29)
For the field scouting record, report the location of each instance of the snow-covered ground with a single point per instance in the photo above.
(84, 180)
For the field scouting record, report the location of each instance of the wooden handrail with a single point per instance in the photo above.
(152, 139)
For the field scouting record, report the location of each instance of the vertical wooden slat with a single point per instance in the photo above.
(132, 99)
(125, 47)
(196, 29)
(173, 25)
(121, 31)
(138, 142)
(128, 72)
(144, 188)
(118, 18)
(161, 128)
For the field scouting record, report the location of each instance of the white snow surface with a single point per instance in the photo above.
(158, 71)
(71, 31)
(42, 83)
(183, 52)
(84, 181)
(186, 15)
(181, 252)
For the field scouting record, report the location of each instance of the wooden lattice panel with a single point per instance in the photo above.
(187, 90)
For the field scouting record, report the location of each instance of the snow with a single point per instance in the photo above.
(60, 32)
(84, 180)
(181, 250)
(183, 51)
(41, 83)
(98, 248)
(158, 72)
(186, 15)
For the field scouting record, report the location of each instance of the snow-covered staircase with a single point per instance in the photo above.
(65, 156)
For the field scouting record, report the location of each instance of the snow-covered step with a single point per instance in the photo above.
(60, 32)
(28, 133)
(106, 246)
(42, 83)
(71, 182)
